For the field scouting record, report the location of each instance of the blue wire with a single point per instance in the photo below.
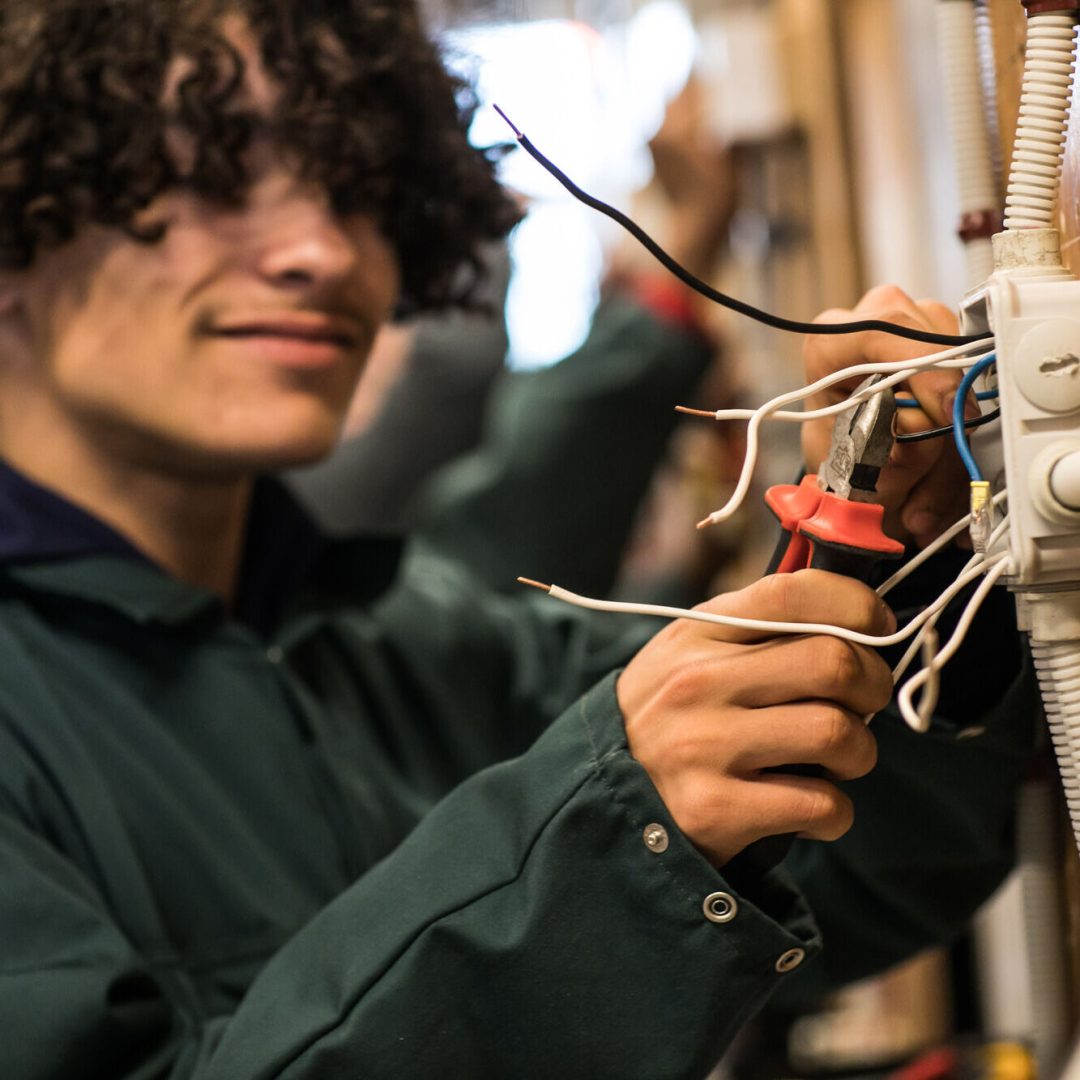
(959, 433)
(911, 403)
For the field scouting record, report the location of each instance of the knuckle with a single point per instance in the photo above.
(837, 662)
(831, 729)
(890, 299)
(879, 684)
(869, 611)
(685, 685)
(781, 595)
(829, 812)
(868, 754)
(938, 311)
(696, 813)
(847, 746)
(681, 752)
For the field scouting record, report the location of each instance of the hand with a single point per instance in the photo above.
(696, 173)
(709, 708)
(924, 487)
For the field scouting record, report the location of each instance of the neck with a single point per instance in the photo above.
(191, 525)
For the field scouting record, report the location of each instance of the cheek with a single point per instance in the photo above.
(99, 344)
(379, 271)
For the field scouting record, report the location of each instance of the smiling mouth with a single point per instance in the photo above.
(316, 336)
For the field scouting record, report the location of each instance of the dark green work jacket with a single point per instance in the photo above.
(228, 857)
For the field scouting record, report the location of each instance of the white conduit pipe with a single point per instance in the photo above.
(1040, 131)
(966, 112)
(984, 40)
(1057, 665)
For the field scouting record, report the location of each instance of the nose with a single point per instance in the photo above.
(301, 244)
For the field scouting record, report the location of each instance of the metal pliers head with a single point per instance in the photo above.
(861, 443)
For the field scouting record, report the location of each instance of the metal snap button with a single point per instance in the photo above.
(720, 907)
(790, 960)
(656, 838)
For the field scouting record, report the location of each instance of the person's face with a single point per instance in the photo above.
(233, 344)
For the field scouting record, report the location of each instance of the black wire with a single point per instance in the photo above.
(695, 283)
(936, 433)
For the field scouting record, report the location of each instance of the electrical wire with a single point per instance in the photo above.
(919, 640)
(949, 358)
(901, 371)
(933, 548)
(959, 432)
(706, 290)
(919, 718)
(911, 403)
(768, 626)
(938, 432)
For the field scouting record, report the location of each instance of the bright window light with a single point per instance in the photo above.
(590, 101)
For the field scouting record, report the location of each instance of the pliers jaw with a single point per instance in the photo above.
(861, 443)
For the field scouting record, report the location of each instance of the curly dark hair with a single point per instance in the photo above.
(367, 109)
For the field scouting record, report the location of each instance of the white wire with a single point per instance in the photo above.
(802, 416)
(934, 547)
(918, 642)
(770, 627)
(901, 369)
(919, 719)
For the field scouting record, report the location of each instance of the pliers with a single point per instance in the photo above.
(832, 518)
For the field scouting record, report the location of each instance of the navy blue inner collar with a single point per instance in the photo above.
(284, 550)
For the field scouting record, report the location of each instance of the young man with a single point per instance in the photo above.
(264, 808)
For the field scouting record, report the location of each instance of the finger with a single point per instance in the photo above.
(816, 808)
(778, 804)
(908, 464)
(827, 355)
(803, 668)
(807, 596)
(806, 733)
(940, 317)
(935, 390)
(886, 303)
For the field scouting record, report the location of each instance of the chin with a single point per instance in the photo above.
(290, 455)
(287, 447)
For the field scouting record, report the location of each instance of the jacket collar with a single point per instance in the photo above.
(50, 545)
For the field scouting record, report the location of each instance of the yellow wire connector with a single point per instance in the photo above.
(982, 515)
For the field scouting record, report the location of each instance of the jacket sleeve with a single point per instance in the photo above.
(567, 456)
(525, 929)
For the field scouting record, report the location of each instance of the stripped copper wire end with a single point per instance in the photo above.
(696, 412)
(535, 584)
(513, 127)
